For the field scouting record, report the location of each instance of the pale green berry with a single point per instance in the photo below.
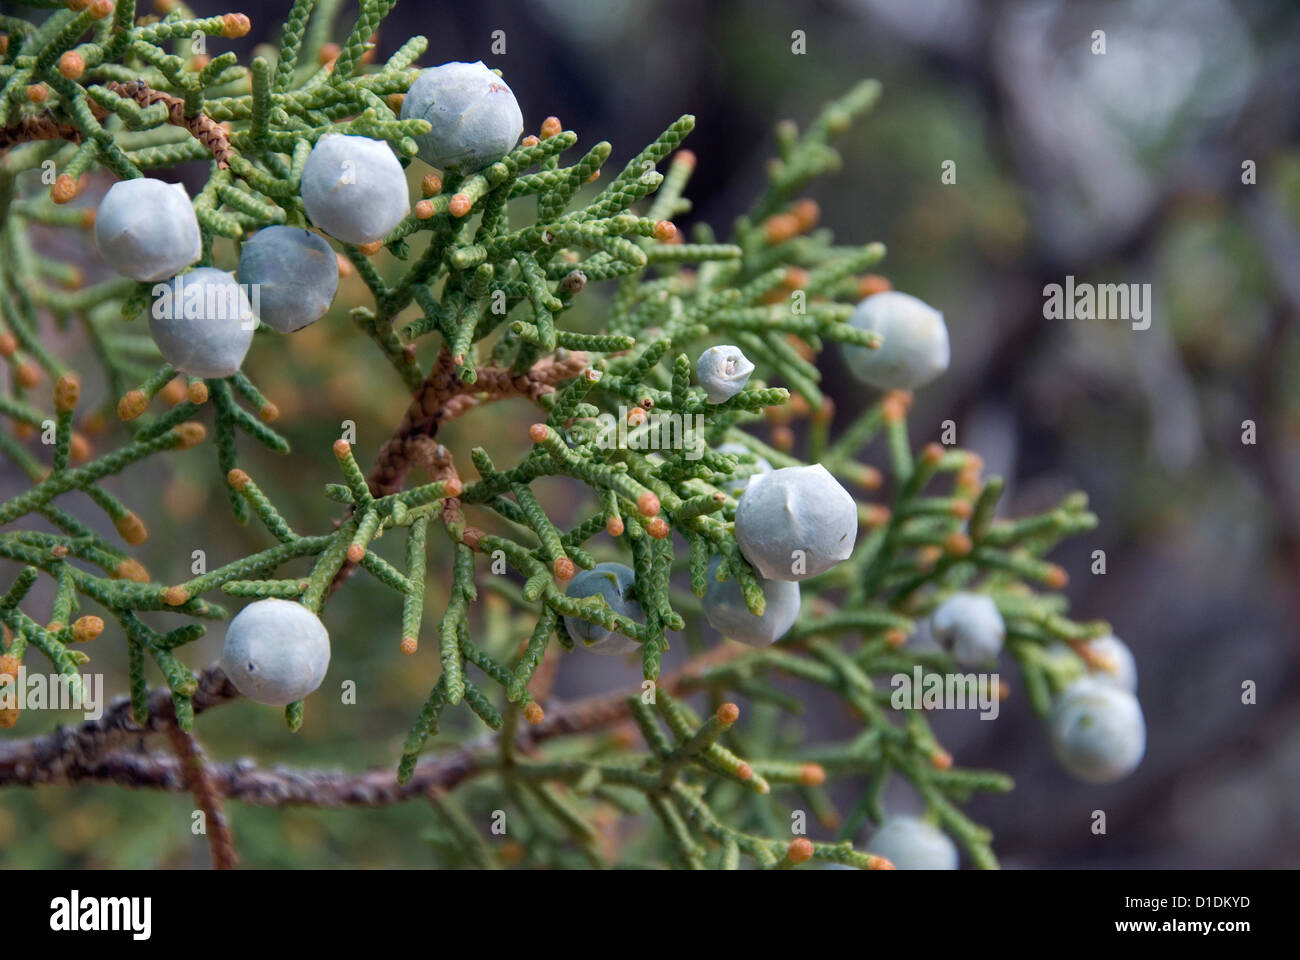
(796, 522)
(969, 626)
(202, 323)
(275, 651)
(354, 188)
(294, 274)
(474, 118)
(616, 583)
(723, 372)
(1098, 731)
(910, 843)
(726, 610)
(915, 342)
(146, 229)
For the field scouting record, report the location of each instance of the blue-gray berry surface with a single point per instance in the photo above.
(275, 651)
(354, 188)
(291, 274)
(915, 342)
(202, 323)
(146, 229)
(910, 843)
(616, 583)
(796, 522)
(969, 626)
(1098, 731)
(726, 610)
(723, 372)
(473, 115)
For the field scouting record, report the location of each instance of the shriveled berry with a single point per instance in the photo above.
(726, 610)
(796, 522)
(146, 229)
(473, 115)
(910, 843)
(353, 188)
(915, 342)
(616, 583)
(1098, 731)
(723, 372)
(202, 323)
(276, 651)
(295, 274)
(970, 627)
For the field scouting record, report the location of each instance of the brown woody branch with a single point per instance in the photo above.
(203, 128)
(197, 778)
(35, 126)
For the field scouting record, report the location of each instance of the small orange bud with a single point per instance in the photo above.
(538, 432)
(728, 713)
(176, 596)
(131, 528)
(79, 448)
(745, 772)
(355, 552)
(781, 227)
(132, 404)
(565, 569)
(961, 509)
(614, 526)
(530, 141)
(796, 278)
(424, 210)
(99, 9)
(72, 65)
(394, 100)
(371, 248)
(877, 515)
(409, 645)
(431, 185)
(460, 205)
(664, 230)
(928, 556)
(686, 158)
(28, 374)
(812, 774)
(37, 93)
(345, 265)
(342, 449)
(189, 434)
(198, 62)
(23, 431)
(8, 344)
(173, 392)
(932, 453)
(957, 544)
(534, 713)
(235, 25)
(237, 478)
(550, 127)
(807, 213)
(658, 528)
(132, 570)
(196, 392)
(782, 437)
(452, 487)
(800, 850)
(879, 863)
(1056, 578)
(269, 412)
(893, 408)
(86, 628)
(64, 189)
(636, 416)
(67, 390)
(895, 637)
(647, 504)
(328, 53)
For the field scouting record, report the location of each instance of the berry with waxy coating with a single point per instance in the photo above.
(202, 323)
(473, 116)
(910, 843)
(276, 651)
(969, 626)
(1114, 653)
(146, 229)
(726, 610)
(616, 583)
(735, 483)
(915, 342)
(296, 274)
(796, 522)
(354, 188)
(723, 372)
(1098, 731)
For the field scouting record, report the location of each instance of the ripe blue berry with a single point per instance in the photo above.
(725, 608)
(473, 116)
(295, 274)
(735, 483)
(353, 188)
(915, 342)
(969, 626)
(910, 843)
(1098, 731)
(276, 651)
(146, 229)
(723, 372)
(616, 583)
(202, 323)
(795, 522)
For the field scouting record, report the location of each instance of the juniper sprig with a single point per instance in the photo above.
(481, 311)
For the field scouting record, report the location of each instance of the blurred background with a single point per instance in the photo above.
(1122, 167)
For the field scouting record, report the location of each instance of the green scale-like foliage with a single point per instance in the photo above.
(493, 293)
